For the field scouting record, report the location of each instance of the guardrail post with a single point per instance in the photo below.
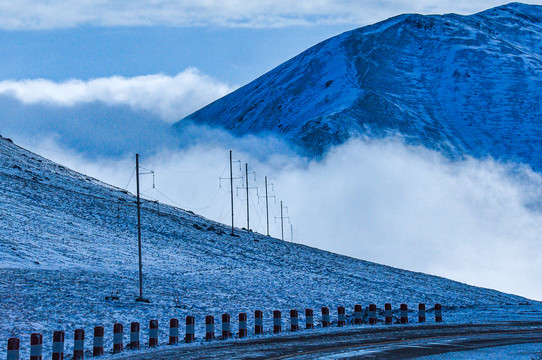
(134, 336)
(277, 322)
(438, 313)
(36, 345)
(341, 316)
(258, 322)
(98, 341)
(372, 314)
(79, 344)
(388, 313)
(226, 328)
(243, 331)
(190, 325)
(325, 317)
(13, 348)
(118, 337)
(404, 314)
(173, 331)
(58, 345)
(421, 313)
(153, 333)
(294, 320)
(358, 320)
(309, 319)
(209, 328)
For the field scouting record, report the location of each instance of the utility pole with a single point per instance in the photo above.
(291, 232)
(231, 191)
(248, 205)
(282, 217)
(231, 178)
(247, 188)
(140, 298)
(267, 196)
(281, 223)
(266, 207)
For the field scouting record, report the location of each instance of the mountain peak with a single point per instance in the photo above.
(515, 8)
(459, 84)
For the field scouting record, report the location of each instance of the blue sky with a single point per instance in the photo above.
(230, 41)
(155, 62)
(233, 55)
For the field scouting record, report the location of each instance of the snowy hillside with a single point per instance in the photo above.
(65, 246)
(459, 84)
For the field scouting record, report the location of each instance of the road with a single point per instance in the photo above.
(394, 342)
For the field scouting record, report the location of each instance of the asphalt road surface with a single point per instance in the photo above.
(394, 342)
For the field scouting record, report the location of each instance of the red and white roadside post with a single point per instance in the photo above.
(421, 313)
(36, 346)
(325, 316)
(243, 330)
(258, 322)
(98, 341)
(388, 313)
(372, 314)
(79, 344)
(153, 333)
(404, 314)
(190, 325)
(134, 336)
(173, 331)
(226, 326)
(341, 316)
(118, 337)
(358, 320)
(309, 319)
(277, 322)
(438, 313)
(209, 328)
(58, 345)
(13, 348)
(294, 320)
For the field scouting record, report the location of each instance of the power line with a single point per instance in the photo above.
(282, 217)
(192, 172)
(258, 214)
(131, 176)
(224, 204)
(247, 188)
(267, 203)
(219, 199)
(231, 178)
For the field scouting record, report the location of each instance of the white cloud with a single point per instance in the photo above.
(381, 201)
(36, 14)
(169, 97)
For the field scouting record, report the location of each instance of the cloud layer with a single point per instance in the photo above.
(382, 201)
(38, 14)
(171, 98)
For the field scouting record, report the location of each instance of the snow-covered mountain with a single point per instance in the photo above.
(67, 241)
(459, 84)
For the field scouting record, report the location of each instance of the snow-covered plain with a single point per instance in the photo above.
(67, 241)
